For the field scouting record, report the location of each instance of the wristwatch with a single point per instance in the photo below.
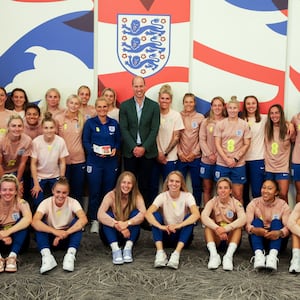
(129, 223)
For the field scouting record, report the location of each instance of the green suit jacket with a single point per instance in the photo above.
(148, 127)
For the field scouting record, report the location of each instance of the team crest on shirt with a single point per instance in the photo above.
(194, 124)
(143, 43)
(15, 216)
(111, 128)
(239, 132)
(229, 214)
(21, 152)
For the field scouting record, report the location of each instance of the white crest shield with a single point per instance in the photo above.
(143, 43)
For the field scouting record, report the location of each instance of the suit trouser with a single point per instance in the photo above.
(141, 167)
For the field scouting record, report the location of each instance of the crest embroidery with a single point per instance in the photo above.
(143, 43)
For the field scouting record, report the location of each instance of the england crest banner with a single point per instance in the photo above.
(143, 43)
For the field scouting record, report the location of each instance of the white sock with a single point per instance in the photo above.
(160, 251)
(211, 246)
(114, 246)
(231, 249)
(12, 254)
(72, 251)
(295, 252)
(176, 253)
(45, 252)
(273, 252)
(258, 251)
(128, 245)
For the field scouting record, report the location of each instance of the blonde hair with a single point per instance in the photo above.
(113, 91)
(120, 213)
(14, 117)
(79, 113)
(11, 178)
(83, 87)
(183, 186)
(44, 104)
(101, 98)
(7, 143)
(234, 100)
(62, 180)
(166, 89)
(226, 179)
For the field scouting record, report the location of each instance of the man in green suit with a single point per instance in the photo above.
(139, 123)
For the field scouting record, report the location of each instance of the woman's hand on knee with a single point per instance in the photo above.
(273, 235)
(259, 231)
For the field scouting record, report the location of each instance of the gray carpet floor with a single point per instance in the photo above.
(95, 277)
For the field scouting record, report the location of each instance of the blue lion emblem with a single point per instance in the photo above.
(135, 46)
(136, 63)
(136, 28)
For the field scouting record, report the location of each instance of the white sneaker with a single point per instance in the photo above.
(227, 263)
(160, 259)
(127, 255)
(68, 262)
(48, 263)
(173, 261)
(271, 262)
(295, 265)
(117, 257)
(259, 261)
(214, 262)
(94, 227)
